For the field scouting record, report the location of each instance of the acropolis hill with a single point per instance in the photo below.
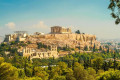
(59, 36)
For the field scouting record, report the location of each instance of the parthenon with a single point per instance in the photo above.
(60, 30)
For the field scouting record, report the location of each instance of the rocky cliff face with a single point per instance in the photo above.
(70, 40)
(82, 37)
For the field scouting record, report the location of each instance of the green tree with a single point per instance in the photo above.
(100, 48)
(110, 63)
(94, 48)
(109, 75)
(28, 71)
(91, 72)
(63, 67)
(39, 72)
(70, 75)
(7, 71)
(32, 78)
(97, 63)
(60, 78)
(78, 31)
(79, 72)
(21, 73)
(54, 72)
(108, 50)
(115, 62)
(28, 68)
(86, 63)
(86, 48)
(105, 66)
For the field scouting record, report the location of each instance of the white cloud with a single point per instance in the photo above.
(40, 24)
(10, 25)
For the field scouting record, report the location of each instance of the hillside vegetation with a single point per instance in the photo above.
(77, 66)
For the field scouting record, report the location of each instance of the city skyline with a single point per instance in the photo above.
(90, 17)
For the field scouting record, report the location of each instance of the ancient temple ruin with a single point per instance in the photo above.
(17, 36)
(60, 30)
(39, 53)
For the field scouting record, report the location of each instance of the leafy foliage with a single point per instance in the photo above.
(114, 6)
(78, 31)
(77, 66)
(7, 71)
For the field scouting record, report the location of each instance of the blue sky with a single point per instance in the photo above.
(89, 16)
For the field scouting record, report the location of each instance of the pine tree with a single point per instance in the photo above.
(78, 31)
(94, 47)
(108, 50)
